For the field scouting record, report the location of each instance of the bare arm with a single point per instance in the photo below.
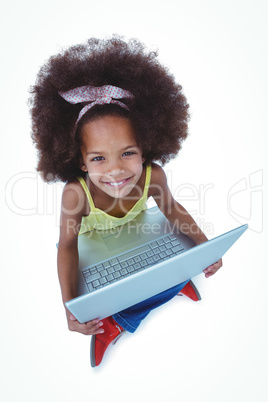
(176, 213)
(73, 208)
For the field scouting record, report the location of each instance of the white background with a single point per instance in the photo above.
(215, 350)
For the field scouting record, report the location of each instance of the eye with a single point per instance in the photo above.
(128, 153)
(97, 159)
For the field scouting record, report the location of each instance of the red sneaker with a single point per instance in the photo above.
(100, 342)
(190, 291)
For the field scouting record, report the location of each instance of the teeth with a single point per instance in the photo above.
(117, 184)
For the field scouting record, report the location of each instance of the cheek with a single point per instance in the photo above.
(94, 170)
(138, 168)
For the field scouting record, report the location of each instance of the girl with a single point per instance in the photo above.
(102, 113)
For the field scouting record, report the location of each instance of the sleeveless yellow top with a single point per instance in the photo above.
(100, 220)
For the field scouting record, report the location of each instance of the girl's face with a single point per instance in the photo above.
(111, 155)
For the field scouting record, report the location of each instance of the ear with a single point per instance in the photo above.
(143, 159)
(83, 167)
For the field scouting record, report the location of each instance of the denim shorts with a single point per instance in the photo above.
(131, 317)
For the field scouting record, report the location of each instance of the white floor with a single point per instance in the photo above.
(211, 351)
(215, 349)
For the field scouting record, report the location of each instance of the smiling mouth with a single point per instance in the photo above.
(117, 183)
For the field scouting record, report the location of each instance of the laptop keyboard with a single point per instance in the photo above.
(129, 263)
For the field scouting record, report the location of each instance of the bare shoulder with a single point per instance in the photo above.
(74, 206)
(74, 200)
(158, 179)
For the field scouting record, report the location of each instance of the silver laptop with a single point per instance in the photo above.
(124, 266)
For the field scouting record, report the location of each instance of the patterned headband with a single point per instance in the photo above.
(97, 96)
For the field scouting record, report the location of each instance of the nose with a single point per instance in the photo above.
(115, 169)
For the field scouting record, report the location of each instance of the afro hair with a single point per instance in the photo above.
(159, 111)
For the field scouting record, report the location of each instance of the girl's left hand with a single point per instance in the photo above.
(212, 269)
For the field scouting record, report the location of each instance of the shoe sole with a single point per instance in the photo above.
(92, 351)
(196, 291)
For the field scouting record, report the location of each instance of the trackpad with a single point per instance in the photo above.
(119, 238)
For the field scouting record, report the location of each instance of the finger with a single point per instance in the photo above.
(72, 317)
(95, 322)
(217, 266)
(95, 326)
(208, 274)
(210, 271)
(97, 331)
(214, 266)
(86, 328)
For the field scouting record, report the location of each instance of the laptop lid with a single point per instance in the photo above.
(149, 225)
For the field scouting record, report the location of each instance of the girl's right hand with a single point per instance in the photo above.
(89, 328)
